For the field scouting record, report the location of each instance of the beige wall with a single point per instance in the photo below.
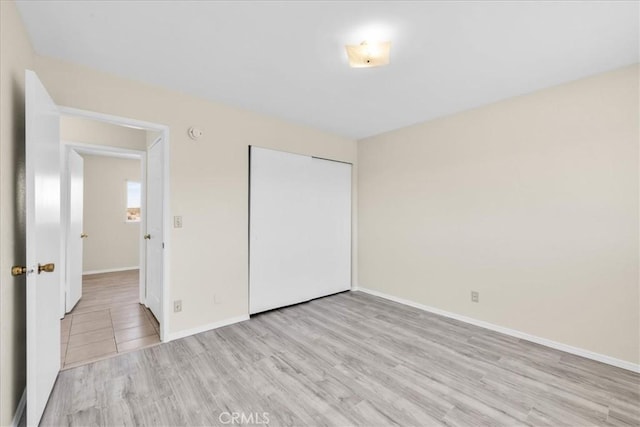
(81, 130)
(208, 183)
(533, 202)
(15, 55)
(113, 243)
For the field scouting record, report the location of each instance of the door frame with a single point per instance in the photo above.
(105, 151)
(123, 152)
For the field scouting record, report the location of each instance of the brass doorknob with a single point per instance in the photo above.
(83, 235)
(147, 236)
(48, 268)
(18, 270)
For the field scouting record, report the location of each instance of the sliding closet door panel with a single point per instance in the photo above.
(330, 226)
(278, 226)
(300, 229)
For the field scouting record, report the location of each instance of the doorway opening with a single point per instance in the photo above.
(114, 232)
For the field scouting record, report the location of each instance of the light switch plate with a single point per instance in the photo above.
(177, 221)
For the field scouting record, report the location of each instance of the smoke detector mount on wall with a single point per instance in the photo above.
(195, 133)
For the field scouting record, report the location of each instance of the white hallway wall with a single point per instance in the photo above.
(113, 243)
(87, 131)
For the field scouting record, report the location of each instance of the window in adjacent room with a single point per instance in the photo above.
(133, 201)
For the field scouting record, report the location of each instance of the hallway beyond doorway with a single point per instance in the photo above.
(107, 320)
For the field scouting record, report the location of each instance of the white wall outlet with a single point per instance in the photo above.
(177, 306)
(177, 221)
(475, 296)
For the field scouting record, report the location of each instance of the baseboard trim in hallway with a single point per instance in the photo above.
(511, 332)
(110, 270)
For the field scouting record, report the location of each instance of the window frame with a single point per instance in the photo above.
(127, 207)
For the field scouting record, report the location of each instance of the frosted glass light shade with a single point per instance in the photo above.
(368, 54)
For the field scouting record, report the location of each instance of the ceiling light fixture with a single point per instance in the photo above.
(368, 54)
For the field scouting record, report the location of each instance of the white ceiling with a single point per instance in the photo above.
(287, 59)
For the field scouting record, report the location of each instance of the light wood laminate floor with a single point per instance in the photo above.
(107, 320)
(347, 359)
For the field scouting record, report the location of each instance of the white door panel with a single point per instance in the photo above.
(75, 239)
(331, 227)
(43, 244)
(154, 216)
(300, 228)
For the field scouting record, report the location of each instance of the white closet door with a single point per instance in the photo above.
(330, 226)
(300, 229)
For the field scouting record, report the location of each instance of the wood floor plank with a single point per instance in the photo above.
(350, 359)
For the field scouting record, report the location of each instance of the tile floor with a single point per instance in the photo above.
(107, 320)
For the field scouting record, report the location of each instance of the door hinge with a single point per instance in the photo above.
(162, 245)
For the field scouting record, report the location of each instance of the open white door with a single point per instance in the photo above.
(154, 236)
(76, 235)
(43, 245)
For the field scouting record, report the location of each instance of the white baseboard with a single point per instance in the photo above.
(512, 332)
(207, 327)
(20, 409)
(109, 270)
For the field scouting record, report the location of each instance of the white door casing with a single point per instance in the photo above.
(75, 167)
(163, 130)
(42, 172)
(154, 223)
